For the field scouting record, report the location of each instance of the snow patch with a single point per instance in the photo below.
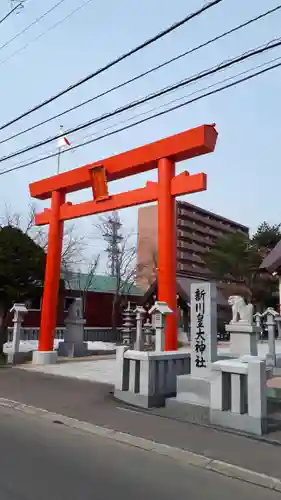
(32, 345)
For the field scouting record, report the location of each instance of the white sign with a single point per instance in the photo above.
(203, 328)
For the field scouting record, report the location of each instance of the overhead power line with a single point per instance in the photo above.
(19, 3)
(145, 73)
(155, 108)
(55, 25)
(194, 78)
(9, 14)
(164, 105)
(114, 62)
(36, 21)
(156, 115)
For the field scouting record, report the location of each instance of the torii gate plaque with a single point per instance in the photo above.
(162, 155)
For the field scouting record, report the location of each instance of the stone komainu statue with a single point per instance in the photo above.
(241, 312)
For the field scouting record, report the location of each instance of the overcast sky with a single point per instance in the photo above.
(243, 172)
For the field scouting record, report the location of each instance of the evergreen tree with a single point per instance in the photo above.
(22, 267)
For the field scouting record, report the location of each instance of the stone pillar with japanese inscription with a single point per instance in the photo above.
(203, 328)
(195, 389)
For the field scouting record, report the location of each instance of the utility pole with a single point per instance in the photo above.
(111, 233)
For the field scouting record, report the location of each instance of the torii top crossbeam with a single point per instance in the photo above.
(193, 142)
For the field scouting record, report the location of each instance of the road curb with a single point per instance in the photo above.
(185, 457)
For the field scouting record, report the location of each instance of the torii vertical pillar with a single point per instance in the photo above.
(45, 352)
(167, 249)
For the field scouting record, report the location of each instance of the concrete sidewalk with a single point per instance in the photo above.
(103, 370)
(92, 402)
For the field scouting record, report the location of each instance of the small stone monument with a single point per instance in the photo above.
(158, 313)
(148, 335)
(19, 311)
(258, 322)
(194, 389)
(139, 344)
(243, 332)
(270, 315)
(73, 345)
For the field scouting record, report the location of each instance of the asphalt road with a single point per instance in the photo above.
(90, 402)
(42, 460)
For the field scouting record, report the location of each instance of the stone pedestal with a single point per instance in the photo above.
(73, 345)
(238, 395)
(146, 379)
(72, 349)
(44, 357)
(243, 339)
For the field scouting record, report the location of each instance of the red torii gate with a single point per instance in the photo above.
(162, 155)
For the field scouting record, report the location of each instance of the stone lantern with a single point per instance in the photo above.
(19, 310)
(158, 312)
(270, 315)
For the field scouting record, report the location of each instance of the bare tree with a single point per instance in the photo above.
(10, 218)
(73, 243)
(82, 281)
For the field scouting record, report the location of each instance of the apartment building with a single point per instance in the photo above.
(197, 232)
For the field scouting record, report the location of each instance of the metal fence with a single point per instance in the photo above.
(90, 334)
